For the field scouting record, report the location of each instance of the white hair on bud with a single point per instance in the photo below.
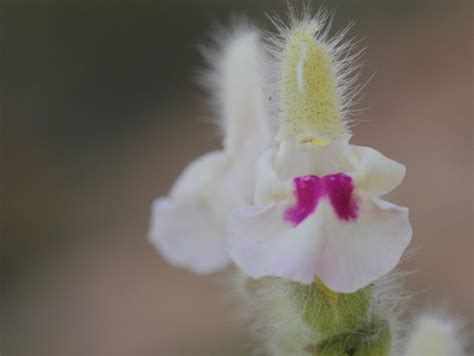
(345, 55)
(278, 325)
(389, 302)
(274, 330)
(435, 334)
(235, 80)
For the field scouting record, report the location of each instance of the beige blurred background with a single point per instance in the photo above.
(99, 116)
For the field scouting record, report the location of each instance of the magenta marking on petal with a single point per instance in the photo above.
(338, 188)
(307, 193)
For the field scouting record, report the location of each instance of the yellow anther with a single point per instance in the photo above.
(315, 140)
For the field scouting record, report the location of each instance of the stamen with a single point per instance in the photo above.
(315, 140)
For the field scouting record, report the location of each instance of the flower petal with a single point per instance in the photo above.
(269, 187)
(346, 255)
(188, 228)
(379, 174)
(200, 175)
(187, 234)
(358, 252)
(293, 159)
(263, 244)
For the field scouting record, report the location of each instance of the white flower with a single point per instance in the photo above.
(317, 211)
(188, 226)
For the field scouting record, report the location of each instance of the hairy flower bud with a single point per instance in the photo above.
(309, 101)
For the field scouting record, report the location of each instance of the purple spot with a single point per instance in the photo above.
(307, 192)
(338, 188)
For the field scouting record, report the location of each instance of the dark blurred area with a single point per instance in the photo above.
(99, 115)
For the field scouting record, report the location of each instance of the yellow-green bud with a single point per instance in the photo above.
(309, 100)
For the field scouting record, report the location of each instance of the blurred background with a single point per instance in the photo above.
(100, 114)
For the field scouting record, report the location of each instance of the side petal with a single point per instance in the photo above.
(263, 244)
(188, 228)
(200, 175)
(355, 253)
(187, 234)
(378, 174)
